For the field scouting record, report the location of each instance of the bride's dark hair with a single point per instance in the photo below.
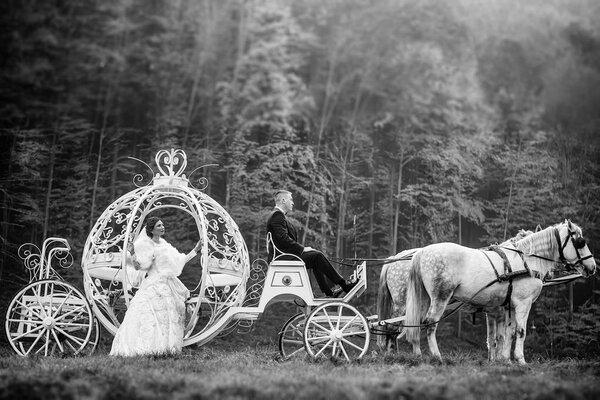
(150, 223)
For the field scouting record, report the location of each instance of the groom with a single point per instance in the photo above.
(285, 239)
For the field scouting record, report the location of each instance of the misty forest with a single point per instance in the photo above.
(395, 123)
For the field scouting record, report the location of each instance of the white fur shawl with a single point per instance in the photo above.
(162, 254)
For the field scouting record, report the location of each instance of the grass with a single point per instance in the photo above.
(248, 366)
(221, 372)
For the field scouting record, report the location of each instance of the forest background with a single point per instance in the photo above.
(396, 123)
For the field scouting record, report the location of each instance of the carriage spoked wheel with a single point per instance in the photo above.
(51, 317)
(94, 339)
(91, 345)
(291, 337)
(336, 330)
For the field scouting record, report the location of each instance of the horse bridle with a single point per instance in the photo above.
(578, 243)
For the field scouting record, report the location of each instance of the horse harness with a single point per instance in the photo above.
(509, 275)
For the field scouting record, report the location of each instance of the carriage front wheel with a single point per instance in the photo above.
(291, 337)
(336, 330)
(50, 317)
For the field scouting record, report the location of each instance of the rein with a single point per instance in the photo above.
(373, 262)
(435, 322)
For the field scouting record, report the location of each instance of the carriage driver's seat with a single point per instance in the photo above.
(289, 272)
(279, 256)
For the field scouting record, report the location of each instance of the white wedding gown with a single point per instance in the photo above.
(155, 319)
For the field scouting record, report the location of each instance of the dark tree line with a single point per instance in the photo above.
(395, 123)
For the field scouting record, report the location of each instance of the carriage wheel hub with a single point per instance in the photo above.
(336, 335)
(48, 322)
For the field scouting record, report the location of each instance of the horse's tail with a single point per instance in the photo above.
(384, 302)
(414, 300)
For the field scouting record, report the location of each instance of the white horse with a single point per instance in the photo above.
(391, 301)
(443, 271)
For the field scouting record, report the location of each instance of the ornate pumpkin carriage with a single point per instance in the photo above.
(50, 316)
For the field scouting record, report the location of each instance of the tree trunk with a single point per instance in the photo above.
(245, 15)
(327, 111)
(414, 232)
(397, 208)
(571, 301)
(228, 184)
(258, 239)
(371, 217)
(510, 192)
(113, 175)
(104, 111)
(50, 183)
(459, 217)
(4, 240)
(346, 159)
(102, 134)
(96, 179)
(340, 222)
(391, 206)
(208, 23)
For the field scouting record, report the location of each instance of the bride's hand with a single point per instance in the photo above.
(130, 248)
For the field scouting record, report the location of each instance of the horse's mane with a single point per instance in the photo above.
(543, 244)
(520, 235)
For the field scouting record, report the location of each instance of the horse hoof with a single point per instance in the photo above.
(436, 361)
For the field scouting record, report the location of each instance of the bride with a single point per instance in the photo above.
(154, 321)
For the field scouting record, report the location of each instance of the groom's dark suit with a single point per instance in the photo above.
(285, 239)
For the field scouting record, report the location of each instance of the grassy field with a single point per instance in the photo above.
(218, 371)
(248, 366)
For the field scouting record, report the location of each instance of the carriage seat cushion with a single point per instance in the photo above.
(106, 273)
(107, 266)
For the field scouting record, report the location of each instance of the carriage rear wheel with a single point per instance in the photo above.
(291, 337)
(336, 330)
(94, 339)
(51, 317)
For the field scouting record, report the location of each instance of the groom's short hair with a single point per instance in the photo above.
(279, 195)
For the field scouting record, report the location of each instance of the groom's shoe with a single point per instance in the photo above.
(337, 292)
(348, 285)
